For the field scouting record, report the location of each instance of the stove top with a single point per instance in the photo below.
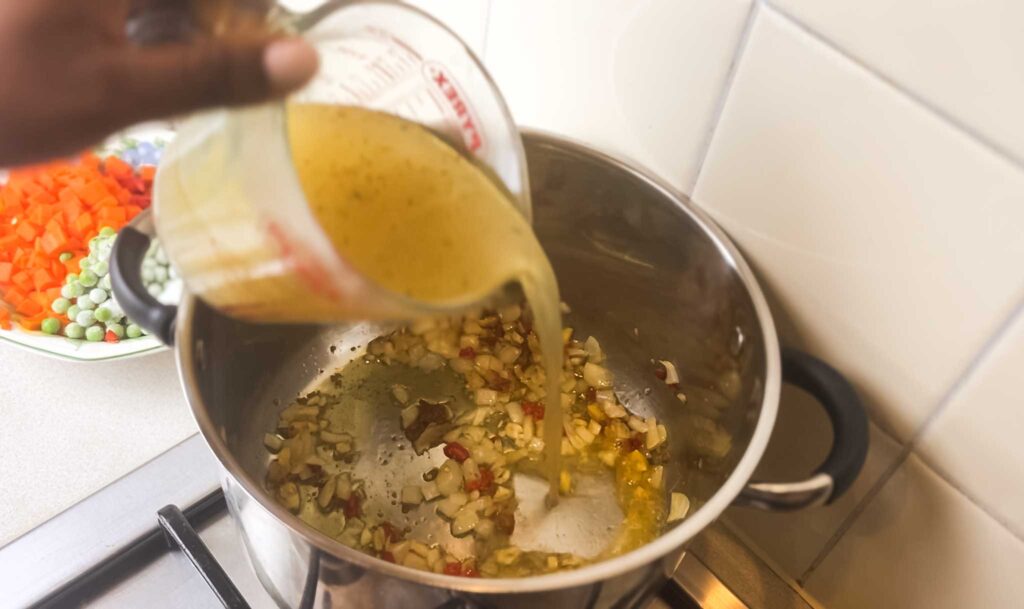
(109, 551)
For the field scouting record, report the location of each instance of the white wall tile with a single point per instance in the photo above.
(921, 544)
(964, 57)
(890, 238)
(641, 79)
(467, 18)
(800, 442)
(976, 441)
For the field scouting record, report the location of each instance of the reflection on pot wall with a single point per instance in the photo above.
(869, 159)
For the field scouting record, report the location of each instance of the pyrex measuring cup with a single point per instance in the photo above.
(229, 208)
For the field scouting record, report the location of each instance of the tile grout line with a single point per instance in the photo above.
(730, 79)
(928, 106)
(1017, 314)
(854, 514)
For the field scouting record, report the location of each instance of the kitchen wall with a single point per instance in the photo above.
(868, 157)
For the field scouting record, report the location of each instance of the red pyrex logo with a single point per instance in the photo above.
(453, 101)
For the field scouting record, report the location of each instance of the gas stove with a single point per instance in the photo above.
(162, 538)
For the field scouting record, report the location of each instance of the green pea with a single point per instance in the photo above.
(50, 325)
(85, 264)
(117, 329)
(88, 278)
(73, 311)
(60, 305)
(106, 231)
(85, 318)
(71, 290)
(65, 256)
(71, 278)
(94, 334)
(73, 330)
(101, 268)
(133, 331)
(103, 314)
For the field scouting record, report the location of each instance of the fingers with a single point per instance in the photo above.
(152, 82)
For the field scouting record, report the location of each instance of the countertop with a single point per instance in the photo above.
(69, 429)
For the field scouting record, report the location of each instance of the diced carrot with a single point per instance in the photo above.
(22, 279)
(53, 208)
(82, 223)
(117, 168)
(51, 244)
(75, 264)
(5, 318)
(42, 198)
(42, 279)
(33, 322)
(107, 201)
(26, 231)
(91, 161)
(111, 216)
(92, 192)
(28, 307)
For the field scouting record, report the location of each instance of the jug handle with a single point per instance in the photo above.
(849, 439)
(143, 308)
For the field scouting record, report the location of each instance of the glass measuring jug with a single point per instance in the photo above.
(230, 209)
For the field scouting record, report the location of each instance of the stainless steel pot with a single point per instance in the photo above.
(647, 273)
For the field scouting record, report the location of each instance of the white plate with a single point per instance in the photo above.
(64, 348)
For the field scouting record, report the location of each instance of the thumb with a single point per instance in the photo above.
(160, 81)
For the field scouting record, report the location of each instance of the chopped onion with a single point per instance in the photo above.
(671, 374)
(449, 478)
(429, 491)
(274, 442)
(515, 411)
(596, 376)
(412, 495)
(464, 522)
(679, 506)
(486, 397)
(593, 349)
(450, 506)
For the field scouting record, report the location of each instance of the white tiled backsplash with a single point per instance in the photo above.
(868, 158)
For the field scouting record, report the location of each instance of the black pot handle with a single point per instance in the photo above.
(130, 248)
(849, 439)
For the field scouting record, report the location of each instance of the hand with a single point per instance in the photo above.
(69, 76)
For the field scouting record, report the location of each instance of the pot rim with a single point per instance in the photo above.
(644, 555)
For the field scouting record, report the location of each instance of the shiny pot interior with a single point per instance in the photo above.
(642, 271)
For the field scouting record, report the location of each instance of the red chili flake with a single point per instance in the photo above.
(467, 352)
(353, 507)
(388, 556)
(453, 568)
(591, 394)
(660, 372)
(456, 452)
(505, 521)
(110, 337)
(534, 410)
(630, 444)
(674, 386)
(484, 484)
(390, 532)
